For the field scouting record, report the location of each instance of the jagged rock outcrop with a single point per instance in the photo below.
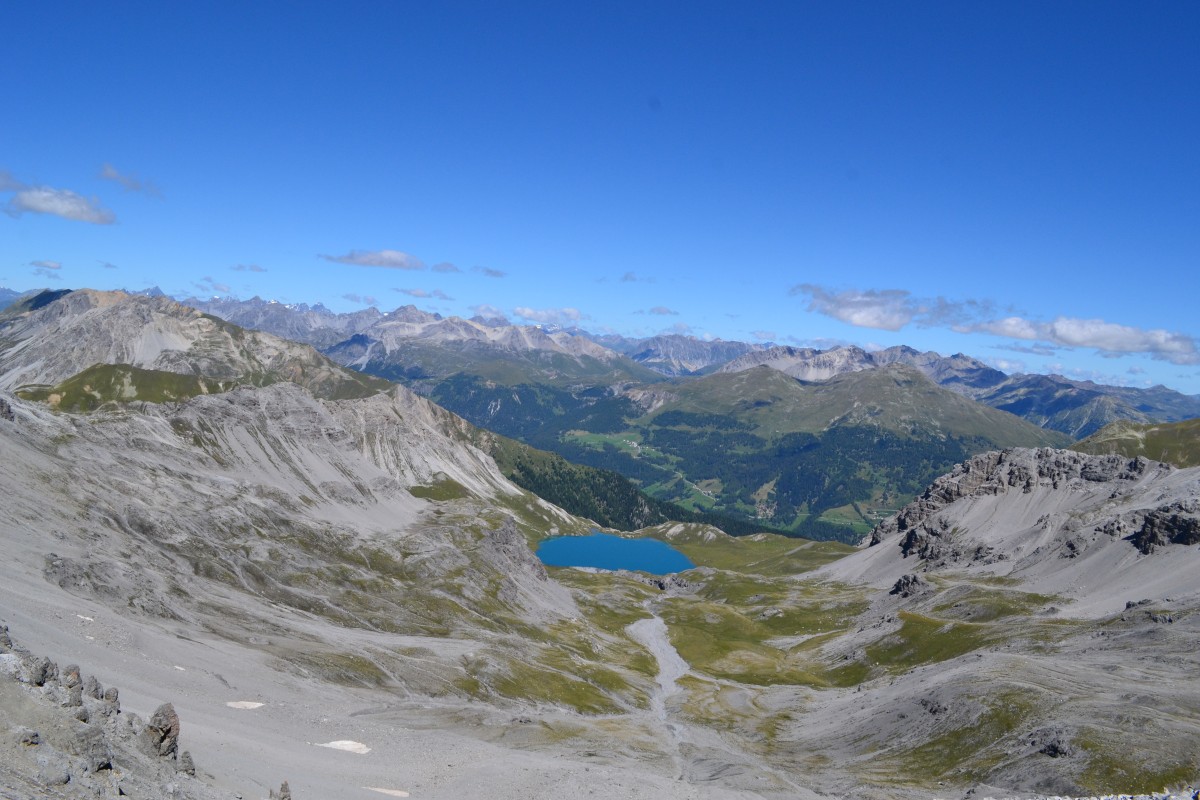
(161, 734)
(1061, 522)
(999, 472)
(1178, 523)
(909, 585)
(67, 738)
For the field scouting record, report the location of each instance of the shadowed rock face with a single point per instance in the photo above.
(1175, 524)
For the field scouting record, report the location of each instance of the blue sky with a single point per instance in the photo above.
(1016, 181)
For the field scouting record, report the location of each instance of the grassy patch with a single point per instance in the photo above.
(587, 692)
(927, 640)
(104, 383)
(978, 604)
(442, 490)
(347, 669)
(735, 642)
(760, 554)
(967, 752)
(1118, 764)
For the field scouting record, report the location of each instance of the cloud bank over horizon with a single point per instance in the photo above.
(895, 309)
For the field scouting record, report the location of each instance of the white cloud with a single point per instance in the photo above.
(765, 336)
(893, 309)
(392, 259)
(437, 294)
(108, 265)
(489, 272)
(1108, 338)
(488, 312)
(47, 269)
(885, 309)
(1008, 365)
(248, 268)
(365, 300)
(57, 202)
(548, 315)
(663, 311)
(130, 182)
(1013, 327)
(445, 266)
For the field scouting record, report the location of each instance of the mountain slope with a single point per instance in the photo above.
(1032, 624)
(676, 354)
(52, 337)
(761, 445)
(341, 593)
(1175, 443)
(1076, 408)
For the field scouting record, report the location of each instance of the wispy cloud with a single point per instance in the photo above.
(392, 259)
(488, 312)
(547, 316)
(445, 266)
(436, 294)
(208, 284)
(1028, 349)
(248, 268)
(765, 336)
(129, 181)
(885, 309)
(1109, 338)
(489, 272)
(1008, 365)
(893, 309)
(55, 202)
(364, 299)
(663, 311)
(108, 265)
(47, 269)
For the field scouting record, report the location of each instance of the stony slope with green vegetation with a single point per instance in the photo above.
(1176, 443)
(362, 569)
(195, 354)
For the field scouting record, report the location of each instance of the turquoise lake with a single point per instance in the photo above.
(605, 551)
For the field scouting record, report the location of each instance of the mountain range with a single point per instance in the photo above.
(1076, 408)
(870, 442)
(333, 582)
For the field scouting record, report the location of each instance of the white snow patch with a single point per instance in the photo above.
(181, 669)
(389, 792)
(246, 704)
(85, 619)
(348, 745)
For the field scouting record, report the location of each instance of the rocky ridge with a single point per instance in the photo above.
(46, 343)
(66, 736)
(1058, 519)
